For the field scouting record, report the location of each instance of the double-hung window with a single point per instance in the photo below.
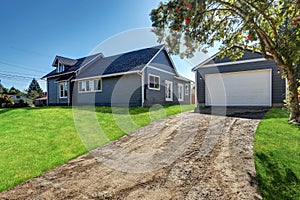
(187, 89)
(180, 92)
(98, 85)
(63, 90)
(153, 82)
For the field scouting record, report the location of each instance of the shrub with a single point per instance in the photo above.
(6, 101)
(21, 104)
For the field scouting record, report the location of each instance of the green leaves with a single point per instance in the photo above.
(272, 24)
(273, 27)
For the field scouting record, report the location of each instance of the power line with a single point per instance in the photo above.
(19, 73)
(16, 77)
(21, 67)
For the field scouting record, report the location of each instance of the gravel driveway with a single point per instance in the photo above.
(186, 156)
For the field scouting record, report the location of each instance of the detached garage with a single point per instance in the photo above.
(249, 81)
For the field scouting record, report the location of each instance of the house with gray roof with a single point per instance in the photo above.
(138, 78)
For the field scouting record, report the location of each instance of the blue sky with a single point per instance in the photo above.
(34, 31)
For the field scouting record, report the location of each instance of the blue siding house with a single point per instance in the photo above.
(250, 81)
(138, 78)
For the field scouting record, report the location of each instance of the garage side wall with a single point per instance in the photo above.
(278, 83)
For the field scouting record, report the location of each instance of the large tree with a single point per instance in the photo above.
(270, 26)
(34, 90)
(34, 86)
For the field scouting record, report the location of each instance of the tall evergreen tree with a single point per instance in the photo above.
(34, 86)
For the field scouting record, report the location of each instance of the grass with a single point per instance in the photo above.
(277, 156)
(35, 140)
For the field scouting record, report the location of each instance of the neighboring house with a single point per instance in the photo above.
(249, 81)
(139, 78)
(40, 101)
(17, 98)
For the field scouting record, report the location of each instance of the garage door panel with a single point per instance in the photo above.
(251, 88)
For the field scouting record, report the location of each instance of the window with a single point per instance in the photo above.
(60, 67)
(180, 92)
(90, 85)
(153, 82)
(63, 90)
(98, 85)
(169, 91)
(81, 86)
(187, 89)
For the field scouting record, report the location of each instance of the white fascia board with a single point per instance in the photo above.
(108, 75)
(234, 62)
(205, 61)
(161, 70)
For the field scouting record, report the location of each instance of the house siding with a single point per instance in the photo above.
(278, 83)
(162, 61)
(158, 96)
(52, 93)
(116, 91)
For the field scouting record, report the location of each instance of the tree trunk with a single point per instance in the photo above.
(293, 102)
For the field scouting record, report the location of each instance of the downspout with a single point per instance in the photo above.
(142, 87)
(69, 92)
(196, 83)
(47, 93)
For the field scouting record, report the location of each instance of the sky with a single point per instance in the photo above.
(33, 32)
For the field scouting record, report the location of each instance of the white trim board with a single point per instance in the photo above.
(231, 63)
(161, 70)
(108, 75)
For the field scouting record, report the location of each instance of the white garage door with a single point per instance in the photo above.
(248, 88)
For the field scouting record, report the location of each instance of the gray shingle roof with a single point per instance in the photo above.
(65, 61)
(72, 67)
(130, 61)
(96, 65)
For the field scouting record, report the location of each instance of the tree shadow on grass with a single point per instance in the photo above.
(4, 110)
(277, 181)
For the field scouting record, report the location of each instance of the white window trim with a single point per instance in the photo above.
(186, 91)
(180, 85)
(92, 88)
(99, 79)
(63, 97)
(169, 82)
(149, 82)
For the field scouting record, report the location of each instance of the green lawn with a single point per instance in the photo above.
(277, 156)
(34, 140)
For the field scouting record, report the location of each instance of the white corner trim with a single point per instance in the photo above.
(172, 62)
(233, 63)
(142, 86)
(108, 75)
(161, 70)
